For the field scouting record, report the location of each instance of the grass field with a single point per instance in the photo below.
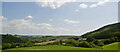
(52, 47)
(113, 46)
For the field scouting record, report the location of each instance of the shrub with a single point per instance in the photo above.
(68, 45)
(93, 45)
(90, 39)
(6, 45)
(22, 45)
(13, 45)
(111, 40)
(97, 42)
(84, 44)
(72, 42)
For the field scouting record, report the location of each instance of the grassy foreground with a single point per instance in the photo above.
(113, 46)
(52, 47)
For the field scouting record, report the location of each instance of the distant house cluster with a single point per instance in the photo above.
(82, 39)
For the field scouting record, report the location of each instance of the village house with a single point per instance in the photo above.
(82, 39)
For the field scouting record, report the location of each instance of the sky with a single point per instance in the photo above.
(57, 18)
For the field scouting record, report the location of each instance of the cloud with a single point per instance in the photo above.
(30, 17)
(22, 26)
(3, 18)
(77, 10)
(50, 19)
(71, 21)
(44, 24)
(93, 5)
(83, 5)
(54, 4)
(99, 3)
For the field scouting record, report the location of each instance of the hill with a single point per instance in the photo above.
(105, 32)
(13, 39)
(112, 46)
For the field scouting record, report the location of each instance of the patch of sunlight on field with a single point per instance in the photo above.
(113, 46)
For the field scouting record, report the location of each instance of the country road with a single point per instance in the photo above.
(45, 43)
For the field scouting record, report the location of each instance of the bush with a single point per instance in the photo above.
(117, 34)
(16, 45)
(98, 42)
(22, 45)
(68, 45)
(13, 45)
(28, 44)
(6, 45)
(84, 44)
(90, 39)
(72, 42)
(93, 45)
(111, 40)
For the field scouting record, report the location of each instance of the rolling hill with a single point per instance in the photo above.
(13, 39)
(105, 32)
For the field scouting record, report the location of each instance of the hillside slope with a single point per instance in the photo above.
(107, 31)
(112, 46)
(13, 39)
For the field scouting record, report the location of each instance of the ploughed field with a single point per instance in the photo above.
(113, 46)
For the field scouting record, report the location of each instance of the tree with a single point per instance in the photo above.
(6, 45)
(97, 42)
(13, 45)
(60, 42)
(90, 39)
(29, 44)
(84, 44)
(22, 45)
(117, 34)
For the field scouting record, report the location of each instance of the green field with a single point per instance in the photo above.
(113, 46)
(52, 47)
